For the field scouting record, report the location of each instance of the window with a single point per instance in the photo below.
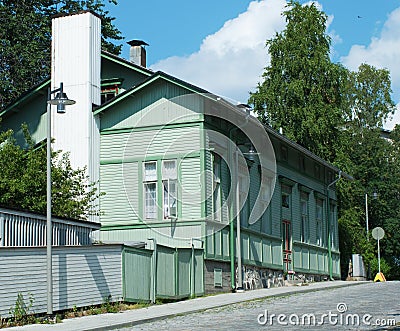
(150, 190)
(302, 163)
(319, 217)
(304, 216)
(266, 186)
(286, 190)
(216, 188)
(266, 226)
(317, 171)
(107, 96)
(169, 182)
(284, 153)
(243, 200)
(166, 185)
(110, 87)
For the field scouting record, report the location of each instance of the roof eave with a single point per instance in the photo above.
(25, 96)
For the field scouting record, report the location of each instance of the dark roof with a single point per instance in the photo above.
(137, 42)
(26, 95)
(76, 13)
(125, 62)
(152, 76)
(91, 224)
(157, 75)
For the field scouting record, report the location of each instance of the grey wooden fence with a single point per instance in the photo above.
(29, 229)
(89, 275)
(82, 276)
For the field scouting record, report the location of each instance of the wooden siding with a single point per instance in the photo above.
(159, 104)
(137, 269)
(120, 183)
(82, 276)
(308, 255)
(149, 144)
(262, 243)
(168, 233)
(121, 171)
(190, 189)
(34, 115)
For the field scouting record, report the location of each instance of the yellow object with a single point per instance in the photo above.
(380, 277)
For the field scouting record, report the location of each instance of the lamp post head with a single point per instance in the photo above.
(251, 153)
(61, 100)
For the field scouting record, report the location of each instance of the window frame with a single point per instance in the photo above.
(146, 184)
(319, 217)
(169, 180)
(285, 196)
(304, 217)
(216, 187)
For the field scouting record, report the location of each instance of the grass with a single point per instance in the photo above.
(19, 316)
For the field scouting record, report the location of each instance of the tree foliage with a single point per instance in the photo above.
(337, 114)
(23, 180)
(25, 40)
(301, 90)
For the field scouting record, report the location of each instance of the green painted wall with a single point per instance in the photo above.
(160, 103)
(147, 127)
(152, 125)
(111, 69)
(33, 114)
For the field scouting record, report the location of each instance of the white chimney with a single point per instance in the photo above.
(76, 51)
(137, 52)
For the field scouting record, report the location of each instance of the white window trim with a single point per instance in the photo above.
(174, 178)
(145, 183)
(304, 220)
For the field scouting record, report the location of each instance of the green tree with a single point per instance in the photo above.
(25, 40)
(338, 115)
(370, 98)
(302, 90)
(23, 180)
(372, 161)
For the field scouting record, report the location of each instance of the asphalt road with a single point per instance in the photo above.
(370, 306)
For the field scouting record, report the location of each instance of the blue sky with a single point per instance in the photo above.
(219, 44)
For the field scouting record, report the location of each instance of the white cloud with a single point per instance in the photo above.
(382, 52)
(230, 62)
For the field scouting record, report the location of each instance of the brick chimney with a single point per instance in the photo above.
(137, 53)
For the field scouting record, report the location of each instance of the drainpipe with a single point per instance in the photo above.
(154, 271)
(192, 291)
(238, 233)
(329, 226)
(232, 231)
(192, 273)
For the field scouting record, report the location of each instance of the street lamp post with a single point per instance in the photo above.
(374, 196)
(60, 101)
(238, 236)
(251, 153)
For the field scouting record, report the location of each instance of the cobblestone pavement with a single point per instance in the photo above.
(363, 307)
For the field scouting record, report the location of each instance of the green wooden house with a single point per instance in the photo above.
(175, 165)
